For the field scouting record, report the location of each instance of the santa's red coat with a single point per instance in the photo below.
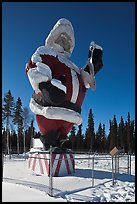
(75, 93)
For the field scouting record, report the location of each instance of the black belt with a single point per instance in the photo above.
(66, 104)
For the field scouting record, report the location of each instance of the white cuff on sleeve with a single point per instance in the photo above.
(41, 73)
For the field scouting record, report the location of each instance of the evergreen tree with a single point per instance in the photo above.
(32, 132)
(79, 138)
(111, 138)
(104, 140)
(131, 150)
(114, 132)
(98, 138)
(108, 141)
(72, 138)
(90, 134)
(121, 135)
(18, 121)
(7, 114)
(26, 118)
(13, 142)
(114, 129)
(134, 140)
(4, 141)
(26, 121)
(125, 137)
(130, 130)
(37, 135)
(28, 139)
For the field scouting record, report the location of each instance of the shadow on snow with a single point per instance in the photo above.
(100, 174)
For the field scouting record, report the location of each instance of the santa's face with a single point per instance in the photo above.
(61, 37)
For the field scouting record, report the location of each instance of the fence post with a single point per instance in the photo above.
(113, 171)
(130, 163)
(118, 163)
(50, 173)
(89, 159)
(113, 153)
(93, 170)
(115, 166)
(2, 164)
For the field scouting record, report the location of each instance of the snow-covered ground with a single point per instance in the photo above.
(20, 184)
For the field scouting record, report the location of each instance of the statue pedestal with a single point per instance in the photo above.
(62, 163)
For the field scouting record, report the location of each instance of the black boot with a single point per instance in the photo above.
(52, 139)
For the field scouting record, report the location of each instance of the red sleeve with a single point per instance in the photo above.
(30, 65)
(49, 60)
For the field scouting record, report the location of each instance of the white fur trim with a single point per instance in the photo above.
(53, 52)
(44, 69)
(58, 84)
(45, 50)
(75, 86)
(36, 58)
(88, 79)
(35, 107)
(36, 76)
(94, 45)
(56, 113)
(62, 25)
(85, 76)
(59, 113)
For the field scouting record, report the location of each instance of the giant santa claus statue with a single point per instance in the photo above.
(59, 85)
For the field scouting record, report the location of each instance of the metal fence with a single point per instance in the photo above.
(119, 167)
(92, 158)
(92, 161)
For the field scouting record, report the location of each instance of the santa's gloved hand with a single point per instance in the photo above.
(95, 56)
(53, 92)
(88, 77)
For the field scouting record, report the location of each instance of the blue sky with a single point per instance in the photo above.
(25, 26)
